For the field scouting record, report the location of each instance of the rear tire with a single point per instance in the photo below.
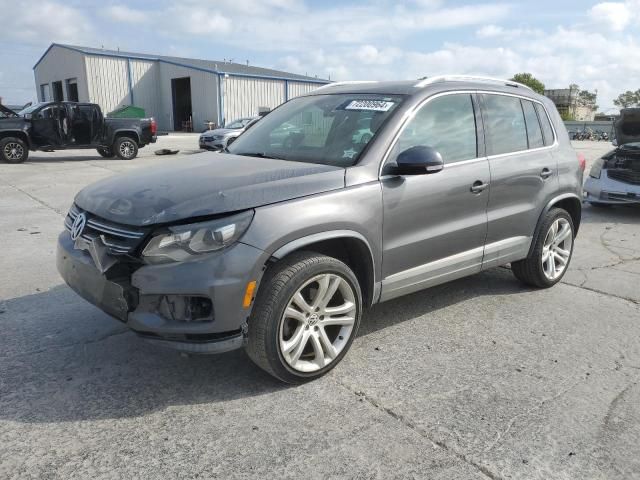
(125, 148)
(551, 254)
(305, 317)
(13, 150)
(106, 152)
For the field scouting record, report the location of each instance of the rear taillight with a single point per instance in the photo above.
(582, 162)
(154, 127)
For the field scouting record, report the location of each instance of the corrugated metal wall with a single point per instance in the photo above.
(300, 88)
(243, 97)
(108, 82)
(145, 78)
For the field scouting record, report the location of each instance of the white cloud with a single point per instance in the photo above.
(44, 22)
(613, 15)
(123, 13)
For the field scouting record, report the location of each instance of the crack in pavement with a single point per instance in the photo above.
(66, 345)
(614, 403)
(36, 199)
(606, 294)
(540, 404)
(409, 424)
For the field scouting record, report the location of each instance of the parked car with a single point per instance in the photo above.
(286, 135)
(614, 179)
(218, 138)
(364, 133)
(69, 125)
(281, 248)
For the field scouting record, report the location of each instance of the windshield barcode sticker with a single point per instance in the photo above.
(372, 105)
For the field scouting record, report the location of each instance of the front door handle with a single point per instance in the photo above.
(478, 186)
(546, 173)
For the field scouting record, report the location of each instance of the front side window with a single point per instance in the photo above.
(446, 123)
(534, 132)
(505, 128)
(326, 129)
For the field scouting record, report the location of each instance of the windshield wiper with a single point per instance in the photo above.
(260, 155)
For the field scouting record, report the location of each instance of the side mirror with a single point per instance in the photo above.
(231, 140)
(419, 160)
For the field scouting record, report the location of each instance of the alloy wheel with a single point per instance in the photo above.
(13, 151)
(317, 322)
(126, 149)
(556, 250)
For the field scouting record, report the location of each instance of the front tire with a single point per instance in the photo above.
(305, 317)
(125, 148)
(13, 150)
(549, 258)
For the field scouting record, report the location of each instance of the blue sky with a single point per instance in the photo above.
(593, 44)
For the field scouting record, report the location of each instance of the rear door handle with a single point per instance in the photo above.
(478, 186)
(546, 173)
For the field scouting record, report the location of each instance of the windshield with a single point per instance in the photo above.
(326, 129)
(240, 123)
(29, 109)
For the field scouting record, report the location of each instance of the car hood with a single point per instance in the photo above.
(628, 126)
(7, 111)
(222, 131)
(204, 184)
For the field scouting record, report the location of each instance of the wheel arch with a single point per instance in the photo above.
(17, 134)
(570, 202)
(126, 133)
(348, 246)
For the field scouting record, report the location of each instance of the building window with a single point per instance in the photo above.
(58, 95)
(72, 89)
(45, 92)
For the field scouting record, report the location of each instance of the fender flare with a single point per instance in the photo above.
(122, 132)
(548, 207)
(18, 133)
(301, 242)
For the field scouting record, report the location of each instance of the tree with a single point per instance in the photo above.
(530, 81)
(628, 99)
(584, 98)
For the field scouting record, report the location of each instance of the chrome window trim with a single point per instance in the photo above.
(409, 115)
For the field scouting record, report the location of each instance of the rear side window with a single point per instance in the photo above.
(446, 123)
(546, 125)
(504, 121)
(534, 132)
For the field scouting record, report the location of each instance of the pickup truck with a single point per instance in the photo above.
(53, 126)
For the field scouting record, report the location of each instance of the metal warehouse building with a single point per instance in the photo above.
(173, 90)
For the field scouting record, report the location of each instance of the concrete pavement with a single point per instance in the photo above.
(479, 378)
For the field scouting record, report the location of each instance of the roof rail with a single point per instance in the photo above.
(469, 78)
(346, 82)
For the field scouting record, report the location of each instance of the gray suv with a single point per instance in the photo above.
(279, 246)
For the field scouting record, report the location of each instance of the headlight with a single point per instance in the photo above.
(184, 242)
(596, 168)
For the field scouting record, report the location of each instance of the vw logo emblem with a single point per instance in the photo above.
(78, 226)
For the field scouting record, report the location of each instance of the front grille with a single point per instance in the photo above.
(626, 176)
(119, 239)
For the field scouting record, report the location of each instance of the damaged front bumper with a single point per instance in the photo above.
(194, 306)
(610, 191)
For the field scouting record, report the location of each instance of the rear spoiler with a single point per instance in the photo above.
(7, 111)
